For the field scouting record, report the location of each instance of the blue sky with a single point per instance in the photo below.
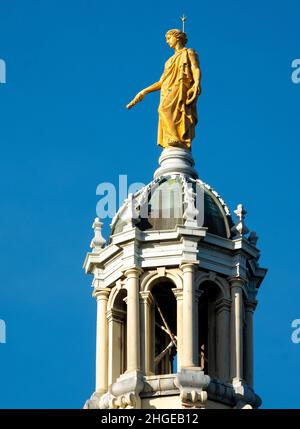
(71, 69)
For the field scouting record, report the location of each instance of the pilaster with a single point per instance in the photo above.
(147, 334)
(178, 293)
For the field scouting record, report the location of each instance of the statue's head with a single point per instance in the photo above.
(174, 36)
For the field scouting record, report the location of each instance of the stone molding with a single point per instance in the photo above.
(250, 306)
(149, 278)
(101, 293)
(146, 297)
(113, 315)
(223, 304)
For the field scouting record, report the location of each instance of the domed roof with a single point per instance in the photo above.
(166, 202)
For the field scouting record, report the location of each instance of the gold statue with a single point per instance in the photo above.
(179, 88)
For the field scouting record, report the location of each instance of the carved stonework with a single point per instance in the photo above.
(125, 401)
(191, 211)
(193, 398)
(124, 393)
(192, 383)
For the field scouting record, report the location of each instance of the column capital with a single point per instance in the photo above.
(250, 305)
(237, 281)
(188, 266)
(223, 304)
(198, 293)
(178, 293)
(146, 297)
(115, 315)
(133, 272)
(101, 293)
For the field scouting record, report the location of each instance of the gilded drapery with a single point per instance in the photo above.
(177, 120)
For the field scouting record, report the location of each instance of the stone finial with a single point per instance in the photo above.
(98, 241)
(240, 227)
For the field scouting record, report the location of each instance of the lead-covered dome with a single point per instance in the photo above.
(175, 197)
(164, 203)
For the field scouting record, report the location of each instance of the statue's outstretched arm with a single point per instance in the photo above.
(139, 97)
(195, 90)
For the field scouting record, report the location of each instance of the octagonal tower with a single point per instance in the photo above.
(176, 290)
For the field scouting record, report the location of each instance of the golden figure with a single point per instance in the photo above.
(179, 88)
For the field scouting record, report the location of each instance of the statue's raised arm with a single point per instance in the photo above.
(179, 88)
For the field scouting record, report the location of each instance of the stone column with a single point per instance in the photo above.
(249, 309)
(147, 334)
(190, 325)
(115, 344)
(101, 296)
(223, 337)
(133, 319)
(236, 342)
(179, 300)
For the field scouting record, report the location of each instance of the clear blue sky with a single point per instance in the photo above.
(71, 68)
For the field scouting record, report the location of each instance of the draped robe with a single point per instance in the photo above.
(177, 121)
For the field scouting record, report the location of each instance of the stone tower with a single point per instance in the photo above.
(176, 292)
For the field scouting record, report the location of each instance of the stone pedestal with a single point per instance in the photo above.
(176, 160)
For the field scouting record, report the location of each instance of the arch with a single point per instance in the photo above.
(150, 279)
(221, 283)
(113, 295)
(117, 333)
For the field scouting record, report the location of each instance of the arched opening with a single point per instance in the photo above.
(164, 325)
(213, 324)
(117, 336)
